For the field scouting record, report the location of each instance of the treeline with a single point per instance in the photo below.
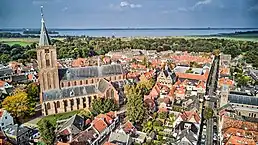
(17, 52)
(74, 47)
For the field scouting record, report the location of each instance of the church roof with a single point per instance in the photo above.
(56, 94)
(89, 72)
(44, 39)
(69, 92)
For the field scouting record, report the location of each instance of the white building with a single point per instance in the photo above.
(5, 119)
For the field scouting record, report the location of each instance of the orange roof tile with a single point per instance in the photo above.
(2, 83)
(192, 76)
(224, 71)
(105, 117)
(163, 110)
(99, 124)
(225, 81)
(187, 115)
(108, 143)
(30, 76)
(128, 127)
(61, 143)
(236, 140)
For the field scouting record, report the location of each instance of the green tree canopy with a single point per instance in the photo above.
(47, 131)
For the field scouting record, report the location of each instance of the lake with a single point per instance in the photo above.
(140, 32)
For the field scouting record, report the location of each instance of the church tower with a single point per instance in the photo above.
(47, 61)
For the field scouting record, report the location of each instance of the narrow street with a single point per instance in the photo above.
(210, 104)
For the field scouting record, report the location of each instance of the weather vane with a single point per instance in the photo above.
(41, 9)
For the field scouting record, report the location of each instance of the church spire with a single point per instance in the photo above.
(44, 39)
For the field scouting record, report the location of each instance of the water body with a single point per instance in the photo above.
(141, 32)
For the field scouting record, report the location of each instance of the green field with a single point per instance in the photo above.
(20, 41)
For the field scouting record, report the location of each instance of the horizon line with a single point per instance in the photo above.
(135, 28)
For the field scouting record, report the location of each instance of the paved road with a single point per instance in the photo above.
(210, 104)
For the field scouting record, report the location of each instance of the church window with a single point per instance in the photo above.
(86, 82)
(48, 106)
(69, 84)
(48, 62)
(57, 104)
(80, 82)
(46, 50)
(75, 83)
(62, 84)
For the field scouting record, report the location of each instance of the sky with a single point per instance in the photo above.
(129, 13)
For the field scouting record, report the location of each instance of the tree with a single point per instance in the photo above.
(47, 131)
(208, 113)
(33, 92)
(86, 113)
(103, 105)
(163, 115)
(18, 104)
(135, 106)
(148, 126)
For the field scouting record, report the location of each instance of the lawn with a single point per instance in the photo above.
(60, 116)
(20, 41)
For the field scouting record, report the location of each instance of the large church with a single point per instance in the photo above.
(68, 89)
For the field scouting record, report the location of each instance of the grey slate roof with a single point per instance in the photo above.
(103, 85)
(76, 122)
(69, 92)
(119, 138)
(5, 72)
(243, 99)
(188, 134)
(44, 39)
(74, 91)
(89, 71)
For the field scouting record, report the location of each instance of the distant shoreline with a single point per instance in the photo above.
(101, 29)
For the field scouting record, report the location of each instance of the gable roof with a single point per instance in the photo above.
(99, 124)
(187, 115)
(2, 83)
(188, 134)
(119, 138)
(103, 85)
(128, 127)
(76, 121)
(90, 72)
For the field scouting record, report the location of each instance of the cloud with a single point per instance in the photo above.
(130, 5)
(253, 8)
(200, 3)
(65, 9)
(192, 8)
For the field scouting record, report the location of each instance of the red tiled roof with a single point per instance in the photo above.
(78, 62)
(65, 132)
(224, 71)
(201, 84)
(88, 121)
(105, 117)
(149, 102)
(108, 143)
(128, 127)
(230, 122)
(163, 110)
(225, 81)
(2, 83)
(193, 76)
(187, 115)
(111, 114)
(30, 76)
(166, 100)
(236, 140)
(61, 143)
(1, 112)
(99, 124)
